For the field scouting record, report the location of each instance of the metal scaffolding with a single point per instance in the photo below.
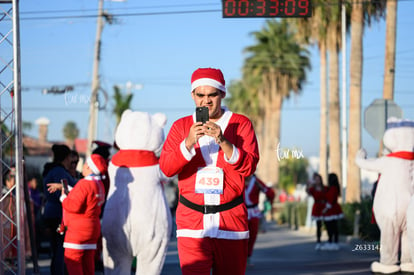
(13, 211)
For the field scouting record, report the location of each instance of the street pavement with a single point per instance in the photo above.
(281, 250)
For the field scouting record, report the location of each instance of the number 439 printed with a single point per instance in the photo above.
(209, 180)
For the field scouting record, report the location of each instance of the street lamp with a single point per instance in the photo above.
(129, 86)
(57, 90)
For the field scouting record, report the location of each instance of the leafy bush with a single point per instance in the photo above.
(294, 213)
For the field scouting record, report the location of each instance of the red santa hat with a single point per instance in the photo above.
(210, 77)
(97, 164)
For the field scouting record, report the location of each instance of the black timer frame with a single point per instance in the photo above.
(266, 8)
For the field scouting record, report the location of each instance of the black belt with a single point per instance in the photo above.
(211, 209)
(252, 205)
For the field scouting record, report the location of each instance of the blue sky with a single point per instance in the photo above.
(160, 51)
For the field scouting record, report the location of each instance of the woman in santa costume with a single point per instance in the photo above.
(317, 190)
(82, 207)
(212, 160)
(251, 198)
(332, 212)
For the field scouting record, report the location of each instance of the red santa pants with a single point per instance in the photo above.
(200, 256)
(80, 262)
(253, 229)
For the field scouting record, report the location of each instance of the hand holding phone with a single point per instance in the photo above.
(202, 114)
(65, 187)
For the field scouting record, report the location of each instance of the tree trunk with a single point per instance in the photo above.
(263, 140)
(258, 128)
(268, 147)
(323, 141)
(276, 119)
(273, 129)
(353, 189)
(390, 46)
(334, 118)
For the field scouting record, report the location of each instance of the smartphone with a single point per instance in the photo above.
(202, 114)
(65, 185)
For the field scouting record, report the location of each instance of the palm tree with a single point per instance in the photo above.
(333, 46)
(244, 99)
(122, 103)
(353, 191)
(313, 31)
(360, 11)
(390, 45)
(70, 132)
(280, 63)
(325, 30)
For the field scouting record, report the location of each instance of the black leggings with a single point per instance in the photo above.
(318, 230)
(332, 228)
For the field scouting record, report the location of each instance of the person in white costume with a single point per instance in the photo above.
(394, 191)
(136, 220)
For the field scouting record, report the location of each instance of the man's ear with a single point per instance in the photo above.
(223, 94)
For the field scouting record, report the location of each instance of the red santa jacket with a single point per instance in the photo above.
(81, 210)
(319, 197)
(332, 209)
(175, 159)
(251, 196)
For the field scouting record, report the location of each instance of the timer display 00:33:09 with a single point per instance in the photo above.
(266, 8)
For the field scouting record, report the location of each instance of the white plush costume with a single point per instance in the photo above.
(393, 194)
(136, 220)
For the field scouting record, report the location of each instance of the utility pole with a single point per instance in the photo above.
(94, 104)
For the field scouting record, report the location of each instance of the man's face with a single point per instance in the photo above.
(210, 97)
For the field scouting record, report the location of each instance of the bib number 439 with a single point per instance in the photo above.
(209, 180)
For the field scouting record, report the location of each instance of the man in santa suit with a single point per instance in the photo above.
(81, 211)
(211, 160)
(251, 197)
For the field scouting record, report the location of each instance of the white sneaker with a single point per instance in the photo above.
(318, 246)
(334, 246)
(330, 247)
(326, 246)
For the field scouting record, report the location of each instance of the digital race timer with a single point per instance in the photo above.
(266, 8)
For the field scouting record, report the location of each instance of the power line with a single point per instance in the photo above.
(119, 15)
(112, 9)
(154, 13)
(179, 109)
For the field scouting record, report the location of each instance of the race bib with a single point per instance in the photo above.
(209, 180)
